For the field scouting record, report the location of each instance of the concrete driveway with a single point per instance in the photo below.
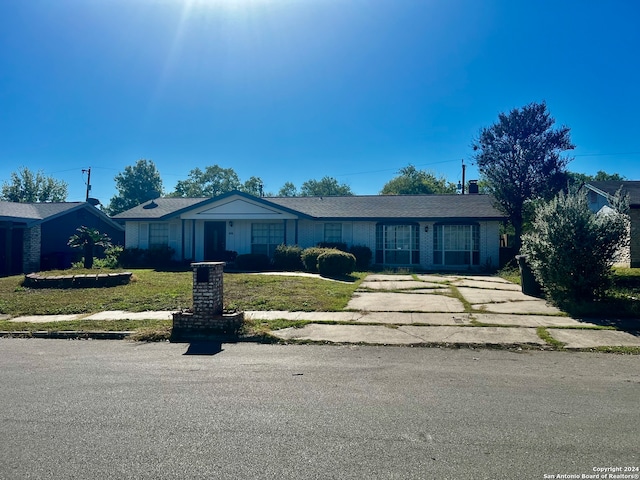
(439, 309)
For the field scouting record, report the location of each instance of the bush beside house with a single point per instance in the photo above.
(335, 263)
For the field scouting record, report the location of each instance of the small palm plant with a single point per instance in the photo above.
(87, 239)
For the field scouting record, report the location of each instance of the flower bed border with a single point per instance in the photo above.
(36, 280)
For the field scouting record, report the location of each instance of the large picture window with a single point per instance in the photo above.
(265, 237)
(333, 232)
(456, 244)
(158, 235)
(397, 244)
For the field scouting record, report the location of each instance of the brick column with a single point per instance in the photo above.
(31, 243)
(207, 317)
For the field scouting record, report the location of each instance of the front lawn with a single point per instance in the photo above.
(152, 290)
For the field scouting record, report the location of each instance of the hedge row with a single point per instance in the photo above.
(330, 261)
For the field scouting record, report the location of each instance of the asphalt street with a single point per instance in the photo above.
(74, 409)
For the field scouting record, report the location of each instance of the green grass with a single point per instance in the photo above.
(270, 292)
(152, 290)
(544, 335)
(511, 274)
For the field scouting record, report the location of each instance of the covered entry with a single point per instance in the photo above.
(215, 234)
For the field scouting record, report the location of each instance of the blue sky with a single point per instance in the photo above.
(293, 90)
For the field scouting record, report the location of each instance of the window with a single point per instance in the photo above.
(265, 237)
(333, 232)
(397, 244)
(158, 235)
(456, 245)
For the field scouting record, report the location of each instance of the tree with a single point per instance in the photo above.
(327, 187)
(214, 180)
(137, 184)
(571, 250)
(253, 186)
(600, 176)
(87, 239)
(519, 157)
(28, 187)
(288, 190)
(412, 181)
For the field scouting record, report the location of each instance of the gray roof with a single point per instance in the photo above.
(33, 213)
(426, 207)
(160, 208)
(611, 187)
(361, 207)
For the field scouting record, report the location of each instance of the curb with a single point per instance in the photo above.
(69, 334)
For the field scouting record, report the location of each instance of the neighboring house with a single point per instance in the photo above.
(424, 231)
(34, 236)
(600, 194)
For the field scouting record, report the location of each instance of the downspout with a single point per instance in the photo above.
(193, 240)
(284, 221)
(182, 239)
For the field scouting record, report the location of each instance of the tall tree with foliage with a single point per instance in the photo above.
(520, 158)
(571, 249)
(88, 239)
(137, 184)
(253, 186)
(214, 180)
(326, 187)
(600, 176)
(29, 187)
(412, 181)
(288, 190)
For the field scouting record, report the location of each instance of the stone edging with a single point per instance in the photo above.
(35, 280)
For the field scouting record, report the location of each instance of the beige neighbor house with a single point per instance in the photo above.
(421, 231)
(599, 196)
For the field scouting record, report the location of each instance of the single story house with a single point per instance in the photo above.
(599, 196)
(422, 231)
(34, 236)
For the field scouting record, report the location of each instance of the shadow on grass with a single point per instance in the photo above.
(622, 314)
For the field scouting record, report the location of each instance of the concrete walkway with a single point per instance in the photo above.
(426, 309)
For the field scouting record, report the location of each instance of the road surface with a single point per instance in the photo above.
(74, 409)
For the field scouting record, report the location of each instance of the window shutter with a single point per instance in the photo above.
(173, 236)
(143, 235)
(347, 233)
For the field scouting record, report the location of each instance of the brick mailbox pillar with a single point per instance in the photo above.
(207, 316)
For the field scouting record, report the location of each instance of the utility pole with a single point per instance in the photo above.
(88, 172)
(464, 168)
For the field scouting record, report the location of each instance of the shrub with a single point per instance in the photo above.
(159, 256)
(229, 256)
(132, 257)
(310, 258)
(335, 263)
(571, 250)
(288, 257)
(334, 245)
(141, 258)
(256, 262)
(363, 256)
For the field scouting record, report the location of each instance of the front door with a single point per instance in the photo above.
(214, 240)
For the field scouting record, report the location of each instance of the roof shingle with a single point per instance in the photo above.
(361, 207)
